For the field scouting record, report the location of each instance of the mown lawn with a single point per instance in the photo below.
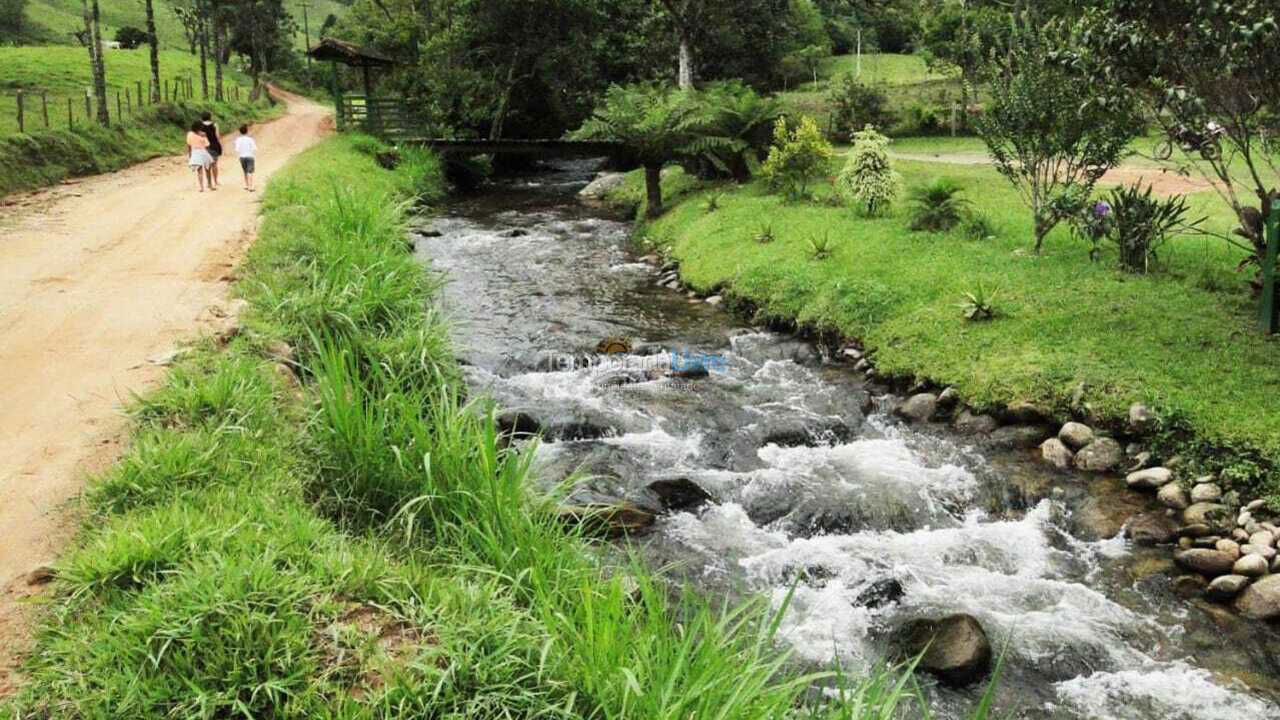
(1182, 339)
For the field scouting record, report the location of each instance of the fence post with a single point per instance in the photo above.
(88, 106)
(1270, 322)
(21, 124)
(44, 108)
(138, 87)
(118, 113)
(128, 100)
(71, 116)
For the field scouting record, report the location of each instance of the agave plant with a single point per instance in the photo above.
(979, 303)
(765, 236)
(937, 207)
(820, 246)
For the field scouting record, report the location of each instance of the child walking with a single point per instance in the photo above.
(247, 151)
(198, 157)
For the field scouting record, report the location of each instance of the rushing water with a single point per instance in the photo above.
(815, 486)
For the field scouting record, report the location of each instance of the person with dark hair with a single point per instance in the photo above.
(247, 151)
(198, 157)
(215, 147)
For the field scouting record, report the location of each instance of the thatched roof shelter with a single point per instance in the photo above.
(349, 54)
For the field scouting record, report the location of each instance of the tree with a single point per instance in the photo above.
(93, 34)
(188, 15)
(130, 37)
(260, 31)
(654, 122)
(867, 181)
(798, 157)
(685, 16)
(1209, 74)
(1052, 131)
(12, 18)
(153, 44)
(734, 130)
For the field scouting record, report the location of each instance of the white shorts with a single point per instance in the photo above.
(200, 158)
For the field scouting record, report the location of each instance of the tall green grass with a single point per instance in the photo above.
(371, 548)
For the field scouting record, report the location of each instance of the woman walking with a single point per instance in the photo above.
(198, 157)
(215, 147)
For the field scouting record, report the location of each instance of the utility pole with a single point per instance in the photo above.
(306, 34)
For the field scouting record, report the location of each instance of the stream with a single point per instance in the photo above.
(874, 522)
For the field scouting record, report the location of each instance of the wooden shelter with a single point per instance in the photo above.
(366, 111)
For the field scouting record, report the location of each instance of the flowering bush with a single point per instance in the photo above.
(867, 181)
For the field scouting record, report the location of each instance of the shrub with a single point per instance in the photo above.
(820, 246)
(734, 131)
(797, 158)
(131, 37)
(765, 236)
(977, 226)
(1141, 224)
(937, 207)
(867, 181)
(856, 105)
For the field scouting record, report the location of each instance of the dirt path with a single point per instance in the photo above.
(99, 281)
(1164, 182)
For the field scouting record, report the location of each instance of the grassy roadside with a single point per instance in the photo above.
(361, 544)
(1182, 340)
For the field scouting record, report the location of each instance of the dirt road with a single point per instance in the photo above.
(99, 280)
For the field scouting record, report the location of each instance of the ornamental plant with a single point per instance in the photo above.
(867, 181)
(798, 157)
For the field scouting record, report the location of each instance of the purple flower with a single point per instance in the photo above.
(1101, 210)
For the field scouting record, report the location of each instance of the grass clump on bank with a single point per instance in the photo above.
(364, 544)
(1183, 340)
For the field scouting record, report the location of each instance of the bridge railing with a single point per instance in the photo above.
(389, 117)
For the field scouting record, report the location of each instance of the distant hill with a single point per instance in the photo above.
(55, 21)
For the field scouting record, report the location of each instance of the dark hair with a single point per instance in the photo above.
(206, 115)
(196, 127)
(244, 129)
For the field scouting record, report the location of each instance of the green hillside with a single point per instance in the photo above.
(63, 73)
(55, 21)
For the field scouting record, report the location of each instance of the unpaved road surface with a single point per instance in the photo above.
(1162, 181)
(99, 281)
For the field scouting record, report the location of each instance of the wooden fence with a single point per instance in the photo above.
(32, 105)
(389, 117)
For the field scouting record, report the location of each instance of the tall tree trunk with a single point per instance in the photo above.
(686, 62)
(204, 51)
(653, 187)
(217, 59)
(504, 103)
(154, 44)
(93, 28)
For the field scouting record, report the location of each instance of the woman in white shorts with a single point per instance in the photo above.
(198, 157)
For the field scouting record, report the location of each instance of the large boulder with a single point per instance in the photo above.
(1020, 437)
(598, 190)
(1173, 496)
(1056, 453)
(1226, 587)
(1149, 479)
(1206, 492)
(1251, 566)
(1211, 563)
(969, 423)
(1101, 455)
(1153, 528)
(1261, 600)
(1076, 435)
(918, 408)
(955, 648)
(1211, 514)
(1141, 419)
(677, 494)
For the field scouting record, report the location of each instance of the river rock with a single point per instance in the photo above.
(1100, 455)
(1140, 417)
(969, 423)
(597, 190)
(1262, 538)
(880, 593)
(1206, 562)
(1056, 453)
(1251, 566)
(1240, 536)
(1263, 551)
(715, 300)
(1255, 505)
(1195, 530)
(1208, 541)
(1211, 514)
(1076, 435)
(1189, 586)
(518, 424)
(1231, 547)
(1024, 413)
(919, 407)
(955, 648)
(612, 520)
(948, 398)
(1261, 600)
(1153, 528)
(679, 494)
(1226, 587)
(1173, 497)
(1149, 479)
(40, 575)
(281, 351)
(1206, 492)
(1020, 437)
